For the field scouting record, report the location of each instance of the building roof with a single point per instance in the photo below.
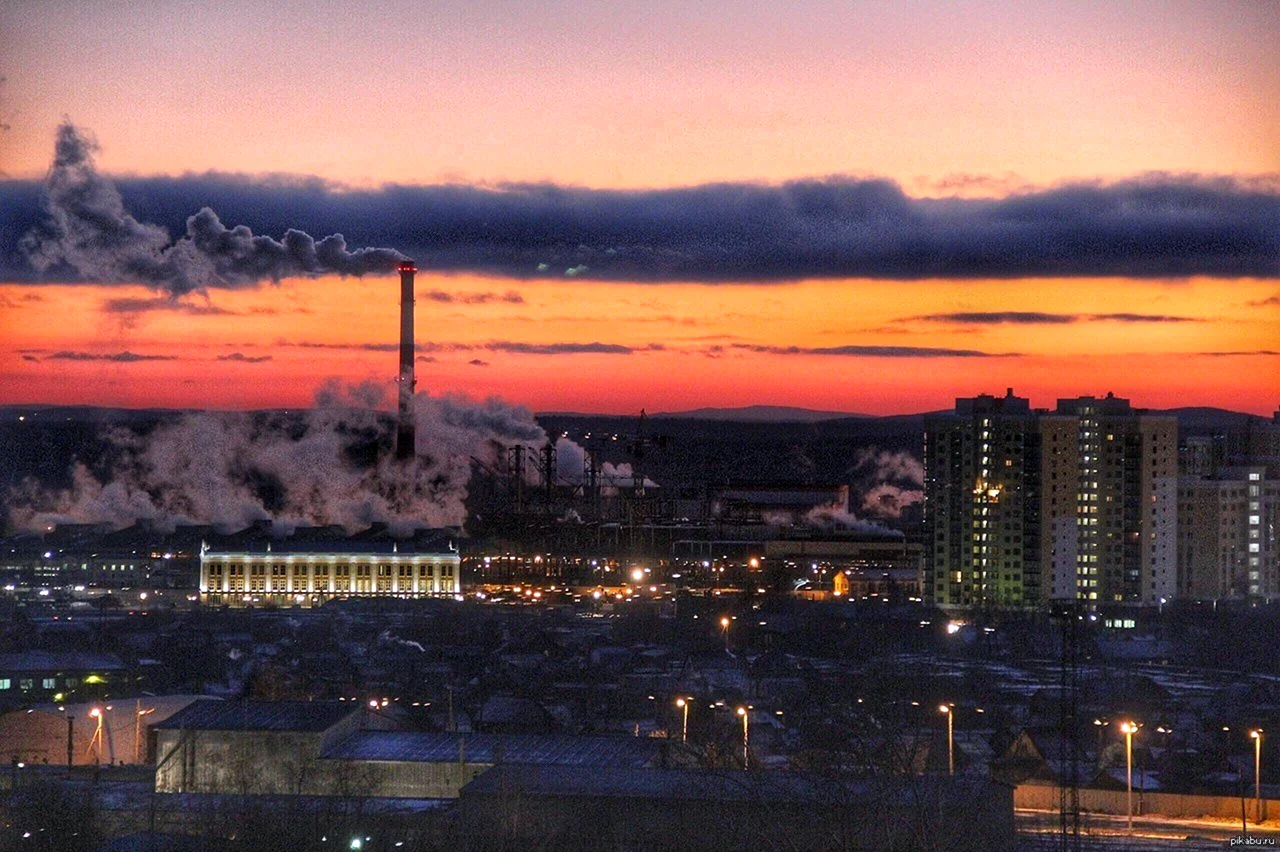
(55, 661)
(541, 749)
(284, 716)
(691, 784)
(424, 545)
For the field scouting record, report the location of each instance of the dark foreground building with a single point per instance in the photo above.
(562, 807)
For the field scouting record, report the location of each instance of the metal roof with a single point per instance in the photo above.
(56, 661)
(548, 749)
(295, 716)
(613, 782)
(703, 785)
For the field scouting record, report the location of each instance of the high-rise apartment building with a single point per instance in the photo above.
(1023, 507)
(1227, 534)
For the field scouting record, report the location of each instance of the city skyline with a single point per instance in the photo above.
(929, 114)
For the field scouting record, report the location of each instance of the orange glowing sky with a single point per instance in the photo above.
(980, 98)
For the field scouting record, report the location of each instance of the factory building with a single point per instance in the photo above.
(1023, 507)
(303, 571)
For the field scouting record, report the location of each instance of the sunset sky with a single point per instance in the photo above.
(340, 116)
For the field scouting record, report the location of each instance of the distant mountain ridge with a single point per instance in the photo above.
(762, 414)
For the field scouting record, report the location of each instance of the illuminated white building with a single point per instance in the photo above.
(310, 573)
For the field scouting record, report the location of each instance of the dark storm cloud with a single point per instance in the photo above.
(870, 351)
(508, 346)
(511, 297)
(119, 357)
(14, 302)
(85, 229)
(247, 359)
(567, 348)
(164, 303)
(1039, 318)
(1244, 353)
(1154, 226)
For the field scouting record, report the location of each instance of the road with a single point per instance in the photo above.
(1040, 830)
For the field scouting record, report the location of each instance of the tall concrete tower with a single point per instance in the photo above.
(404, 419)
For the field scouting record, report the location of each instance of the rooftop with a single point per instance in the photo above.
(548, 750)
(294, 716)
(51, 661)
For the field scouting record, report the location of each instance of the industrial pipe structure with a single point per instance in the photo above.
(406, 380)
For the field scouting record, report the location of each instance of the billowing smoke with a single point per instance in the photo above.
(892, 481)
(320, 466)
(87, 229)
(571, 460)
(838, 517)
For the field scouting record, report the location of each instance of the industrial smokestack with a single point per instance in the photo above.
(404, 420)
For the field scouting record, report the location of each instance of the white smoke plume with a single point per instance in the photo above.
(571, 458)
(87, 228)
(888, 501)
(838, 517)
(231, 469)
(894, 481)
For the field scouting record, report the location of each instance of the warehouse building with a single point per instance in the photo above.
(327, 748)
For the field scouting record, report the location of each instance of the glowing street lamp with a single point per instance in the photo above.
(1256, 734)
(1129, 729)
(684, 725)
(95, 742)
(138, 713)
(746, 755)
(951, 743)
(724, 629)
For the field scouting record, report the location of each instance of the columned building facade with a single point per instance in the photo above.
(289, 577)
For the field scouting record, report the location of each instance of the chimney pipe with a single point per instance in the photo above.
(404, 416)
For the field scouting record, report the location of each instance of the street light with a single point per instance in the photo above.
(724, 628)
(138, 713)
(95, 742)
(1128, 729)
(951, 742)
(684, 725)
(1100, 724)
(1256, 734)
(746, 755)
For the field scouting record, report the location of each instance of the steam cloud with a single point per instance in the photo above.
(571, 459)
(886, 474)
(231, 469)
(87, 228)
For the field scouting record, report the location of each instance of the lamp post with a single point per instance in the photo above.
(1099, 724)
(95, 742)
(945, 710)
(746, 754)
(1256, 734)
(1128, 729)
(724, 629)
(684, 723)
(138, 713)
